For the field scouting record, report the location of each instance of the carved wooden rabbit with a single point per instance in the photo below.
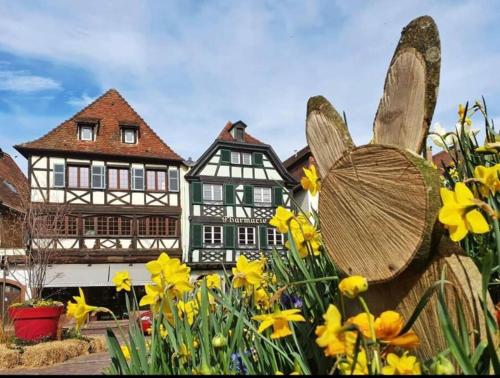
(379, 202)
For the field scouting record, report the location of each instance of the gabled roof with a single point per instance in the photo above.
(226, 136)
(13, 182)
(301, 159)
(110, 111)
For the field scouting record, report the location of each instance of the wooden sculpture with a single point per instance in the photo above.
(379, 202)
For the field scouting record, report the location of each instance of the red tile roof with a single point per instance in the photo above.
(226, 136)
(110, 110)
(441, 158)
(13, 182)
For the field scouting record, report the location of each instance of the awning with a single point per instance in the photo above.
(83, 275)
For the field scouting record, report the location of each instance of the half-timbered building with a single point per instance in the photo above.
(123, 186)
(235, 187)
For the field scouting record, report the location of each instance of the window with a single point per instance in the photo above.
(239, 134)
(157, 226)
(212, 235)
(137, 179)
(89, 226)
(274, 237)
(262, 196)
(155, 181)
(129, 136)
(235, 157)
(246, 158)
(212, 193)
(173, 180)
(59, 178)
(71, 225)
(78, 176)
(118, 178)
(113, 226)
(86, 132)
(246, 236)
(98, 177)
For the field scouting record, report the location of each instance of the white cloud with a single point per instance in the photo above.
(21, 81)
(80, 102)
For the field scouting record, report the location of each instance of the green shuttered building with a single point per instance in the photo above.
(235, 188)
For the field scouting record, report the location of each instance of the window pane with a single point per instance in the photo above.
(58, 175)
(138, 178)
(113, 178)
(207, 192)
(84, 177)
(235, 157)
(142, 229)
(89, 227)
(160, 176)
(97, 177)
(72, 225)
(247, 158)
(266, 195)
(172, 227)
(129, 136)
(173, 180)
(218, 192)
(150, 179)
(207, 234)
(126, 226)
(73, 177)
(87, 133)
(123, 178)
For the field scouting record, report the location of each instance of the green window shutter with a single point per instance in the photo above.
(258, 159)
(277, 196)
(263, 237)
(229, 236)
(248, 195)
(229, 194)
(196, 192)
(196, 235)
(225, 156)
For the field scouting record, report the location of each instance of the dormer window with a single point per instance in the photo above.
(129, 134)
(238, 131)
(86, 131)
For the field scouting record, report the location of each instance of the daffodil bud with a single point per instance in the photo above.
(442, 366)
(352, 286)
(219, 341)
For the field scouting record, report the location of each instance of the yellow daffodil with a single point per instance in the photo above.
(353, 285)
(154, 294)
(362, 322)
(122, 281)
(189, 309)
(279, 320)
(79, 310)
(306, 237)
(184, 353)
(163, 332)
(247, 273)
(219, 341)
(489, 179)
(404, 365)
(388, 327)
(311, 181)
(489, 148)
(330, 334)
(461, 114)
(460, 213)
(361, 367)
(261, 298)
(171, 275)
(280, 219)
(126, 352)
(213, 281)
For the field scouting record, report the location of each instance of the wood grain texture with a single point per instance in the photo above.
(377, 210)
(400, 116)
(420, 36)
(326, 133)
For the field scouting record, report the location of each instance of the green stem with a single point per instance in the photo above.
(376, 368)
(496, 228)
(330, 278)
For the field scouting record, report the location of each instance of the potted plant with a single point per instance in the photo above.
(40, 223)
(36, 320)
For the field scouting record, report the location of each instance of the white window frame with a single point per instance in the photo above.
(273, 236)
(91, 129)
(212, 191)
(235, 157)
(259, 191)
(137, 173)
(246, 155)
(129, 132)
(63, 173)
(102, 174)
(173, 179)
(213, 242)
(246, 232)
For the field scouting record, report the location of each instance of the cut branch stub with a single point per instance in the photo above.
(326, 133)
(410, 91)
(378, 207)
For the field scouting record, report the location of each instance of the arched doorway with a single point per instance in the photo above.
(14, 293)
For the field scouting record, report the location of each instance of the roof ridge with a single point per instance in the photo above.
(146, 124)
(228, 126)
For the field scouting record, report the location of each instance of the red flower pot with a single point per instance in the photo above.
(35, 323)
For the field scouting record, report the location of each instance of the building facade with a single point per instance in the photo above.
(120, 187)
(295, 165)
(235, 188)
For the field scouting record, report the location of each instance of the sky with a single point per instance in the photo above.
(188, 67)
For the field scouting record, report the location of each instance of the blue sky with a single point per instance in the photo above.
(190, 66)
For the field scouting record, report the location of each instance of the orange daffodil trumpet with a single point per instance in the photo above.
(460, 214)
(311, 181)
